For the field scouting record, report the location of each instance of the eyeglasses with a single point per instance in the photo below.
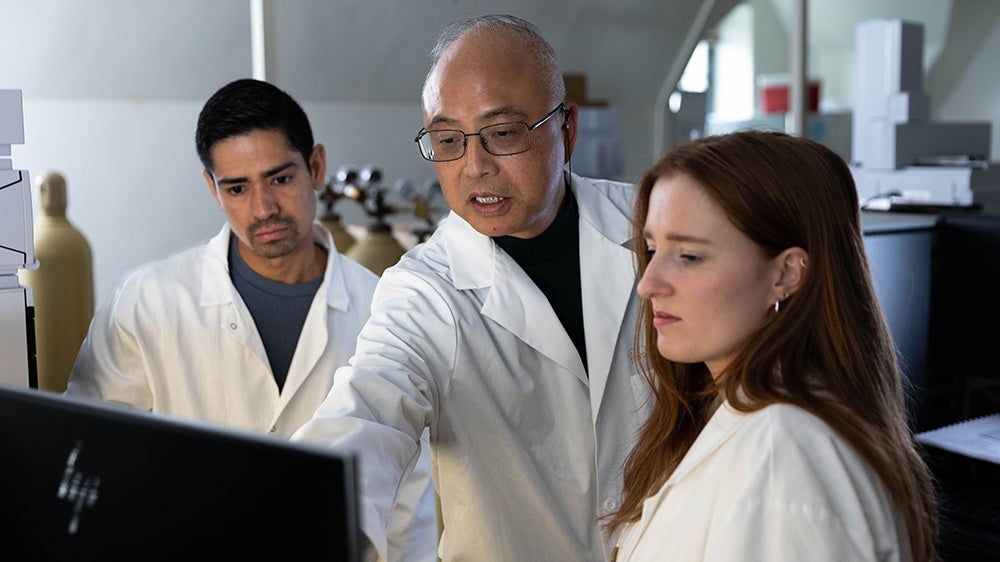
(502, 139)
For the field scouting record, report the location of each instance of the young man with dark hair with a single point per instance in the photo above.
(247, 329)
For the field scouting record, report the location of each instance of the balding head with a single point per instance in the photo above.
(509, 32)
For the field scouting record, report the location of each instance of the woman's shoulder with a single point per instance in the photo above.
(788, 420)
(786, 430)
(797, 467)
(788, 417)
(798, 455)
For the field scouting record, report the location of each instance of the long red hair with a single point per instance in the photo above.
(828, 351)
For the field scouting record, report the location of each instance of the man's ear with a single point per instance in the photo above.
(572, 112)
(211, 187)
(317, 166)
(792, 266)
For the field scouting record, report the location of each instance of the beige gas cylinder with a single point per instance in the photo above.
(377, 250)
(63, 285)
(342, 239)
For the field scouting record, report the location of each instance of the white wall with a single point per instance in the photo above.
(123, 48)
(975, 96)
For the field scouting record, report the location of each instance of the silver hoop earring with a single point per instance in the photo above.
(777, 302)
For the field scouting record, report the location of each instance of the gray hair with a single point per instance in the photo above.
(505, 24)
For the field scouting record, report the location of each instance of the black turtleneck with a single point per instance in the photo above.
(552, 261)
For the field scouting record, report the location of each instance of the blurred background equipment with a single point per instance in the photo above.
(17, 251)
(375, 214)
(343, 184)
(378, 249)
(599, 151)
(63, 285)
(899, 156)
(426, 204)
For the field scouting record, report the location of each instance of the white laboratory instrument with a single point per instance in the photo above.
(898, 156)
(17, 332)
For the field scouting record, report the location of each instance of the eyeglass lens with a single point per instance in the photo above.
(500, 140)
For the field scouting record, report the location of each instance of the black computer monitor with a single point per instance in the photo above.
(85, 480)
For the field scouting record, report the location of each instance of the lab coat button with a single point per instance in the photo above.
(610, 504)
(232, 326)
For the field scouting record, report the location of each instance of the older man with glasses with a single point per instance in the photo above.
(509, 333)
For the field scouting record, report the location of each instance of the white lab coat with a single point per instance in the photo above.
(176, 338)
(527, 448)
(777, 484)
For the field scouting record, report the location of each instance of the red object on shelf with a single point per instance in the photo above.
(774, 98)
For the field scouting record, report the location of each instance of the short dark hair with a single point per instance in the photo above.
(245, 105)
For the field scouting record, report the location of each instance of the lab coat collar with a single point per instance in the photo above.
(337, 296)
(216, 286)
(723, 424)
(514, 301)
(721, 427)
(604, 231)
(472, 254)
(612, 222)
(517, 304)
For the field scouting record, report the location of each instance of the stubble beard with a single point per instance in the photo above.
(277, 248)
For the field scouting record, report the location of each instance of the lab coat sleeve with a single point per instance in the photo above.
(383, 400)
(110, 364)
(413, 527)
